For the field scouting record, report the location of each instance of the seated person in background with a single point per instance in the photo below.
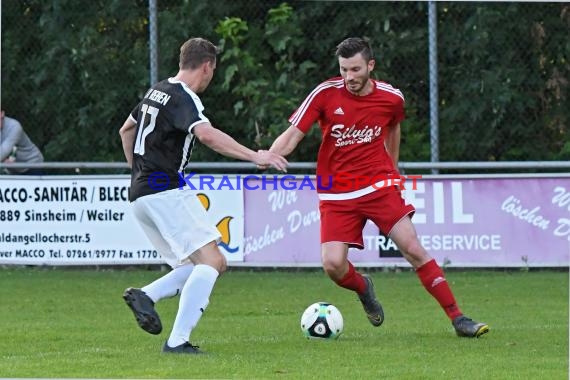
(16, 146)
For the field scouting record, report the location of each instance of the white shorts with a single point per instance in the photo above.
(176, 224)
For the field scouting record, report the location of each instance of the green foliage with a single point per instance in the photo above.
(265, 85)
(60, 79)
(72, 71)
(271, 67)
(503, 94)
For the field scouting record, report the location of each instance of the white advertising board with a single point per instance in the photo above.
(87, 220)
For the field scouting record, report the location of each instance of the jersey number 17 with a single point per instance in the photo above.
(144, 128)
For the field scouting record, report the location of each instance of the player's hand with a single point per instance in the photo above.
(264, 159)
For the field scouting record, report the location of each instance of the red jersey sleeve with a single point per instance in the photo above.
(399, 113)
(310, 110)
(396, 102)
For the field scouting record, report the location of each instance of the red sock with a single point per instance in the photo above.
(352, 280)
(433, 280)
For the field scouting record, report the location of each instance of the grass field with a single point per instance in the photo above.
(73, 323)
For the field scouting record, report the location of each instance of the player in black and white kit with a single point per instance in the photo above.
(157, 139)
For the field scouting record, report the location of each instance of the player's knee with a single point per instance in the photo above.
(333, 268)
(219, 263)
(223, 265)
(414, 251)
(215, 259)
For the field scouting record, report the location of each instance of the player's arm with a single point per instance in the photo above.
(128, 134)
(393, 144)
(10, 140)
(224, 144)
(287, 141)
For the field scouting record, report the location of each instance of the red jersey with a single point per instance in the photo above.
(353, 130)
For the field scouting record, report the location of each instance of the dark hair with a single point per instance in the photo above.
(196, 51)
(352, 46)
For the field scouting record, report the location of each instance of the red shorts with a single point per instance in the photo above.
(344, 220)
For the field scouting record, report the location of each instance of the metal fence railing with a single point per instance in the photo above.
(535, 166)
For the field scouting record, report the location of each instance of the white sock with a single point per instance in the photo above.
(193, 301)
(170, 284)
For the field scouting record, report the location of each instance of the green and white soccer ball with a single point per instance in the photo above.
(322, 320)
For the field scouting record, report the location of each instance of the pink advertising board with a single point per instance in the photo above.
(509, 221)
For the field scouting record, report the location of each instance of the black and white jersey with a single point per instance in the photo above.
(165, 118)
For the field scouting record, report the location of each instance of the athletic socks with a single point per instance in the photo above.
(353, 280)
(432, 278)
(170, 284)
(193, 301)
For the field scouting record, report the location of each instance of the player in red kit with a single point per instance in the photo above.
(360, 120)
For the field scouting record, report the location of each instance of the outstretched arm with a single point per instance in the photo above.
(287, 141)
(393, 144)
(224, 144)
(128, 133)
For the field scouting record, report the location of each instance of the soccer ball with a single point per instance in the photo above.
(322, 320)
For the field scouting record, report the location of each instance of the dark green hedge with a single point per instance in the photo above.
(72, 71)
